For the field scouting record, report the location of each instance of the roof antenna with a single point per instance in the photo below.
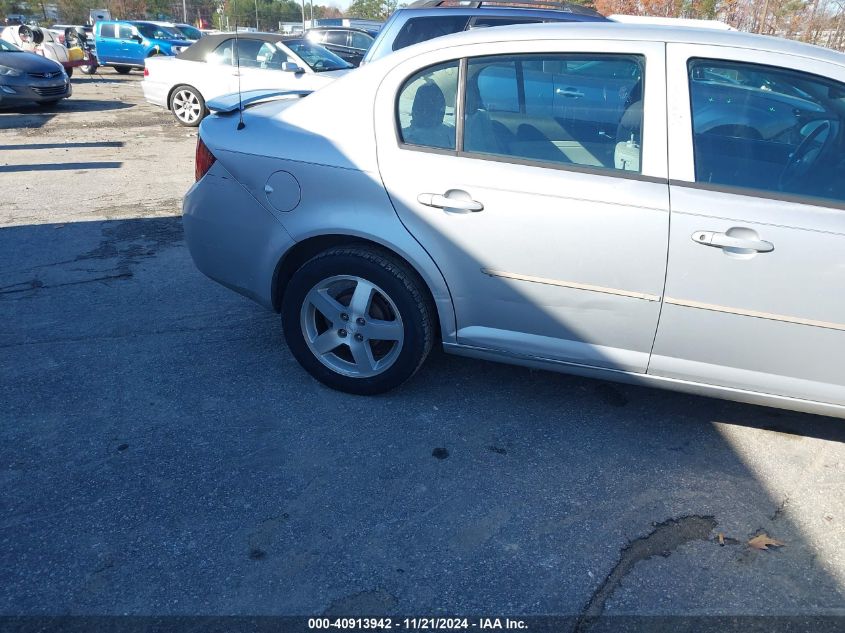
(241, 124)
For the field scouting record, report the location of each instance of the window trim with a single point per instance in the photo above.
(764, 194)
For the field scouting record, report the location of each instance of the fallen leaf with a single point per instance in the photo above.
(721, 539)
(763, 541)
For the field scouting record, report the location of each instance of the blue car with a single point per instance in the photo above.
(125, 45)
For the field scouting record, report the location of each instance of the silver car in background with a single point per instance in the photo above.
(661, 206)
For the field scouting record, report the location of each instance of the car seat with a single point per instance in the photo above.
(427, 112)
(479, 133)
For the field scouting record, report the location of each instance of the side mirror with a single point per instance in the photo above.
(291, 67)
(136, 38)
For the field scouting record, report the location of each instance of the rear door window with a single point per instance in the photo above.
(222, 54)
(361, 40)
(338, 38)
(107, 30)
(418, 30)
(248, 53)
(484, 22)
(578, 109)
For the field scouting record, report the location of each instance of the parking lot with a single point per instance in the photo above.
(164, 454)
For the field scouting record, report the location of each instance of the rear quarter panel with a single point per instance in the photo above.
(330, 151)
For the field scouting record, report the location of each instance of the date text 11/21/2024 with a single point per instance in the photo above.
(422, 623)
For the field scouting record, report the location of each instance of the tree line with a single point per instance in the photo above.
(815, 21)
(819, 22)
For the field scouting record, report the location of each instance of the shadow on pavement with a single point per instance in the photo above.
(36, 116)
(164, 454)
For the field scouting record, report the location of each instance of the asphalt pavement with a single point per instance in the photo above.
(163, 454)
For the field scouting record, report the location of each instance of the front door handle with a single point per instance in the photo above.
(454, 199)
(723, 240)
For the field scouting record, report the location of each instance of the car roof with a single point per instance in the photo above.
(547, 5)
(637, 32)
(342, 28)
(198, 51)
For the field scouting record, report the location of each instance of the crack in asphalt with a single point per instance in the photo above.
(780, 509)
(36, 284)
(165, 331)
(661, 541)
(129, 243)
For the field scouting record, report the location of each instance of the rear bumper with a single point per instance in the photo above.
(232, 238)
(155, 92)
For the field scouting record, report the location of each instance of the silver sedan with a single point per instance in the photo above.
(662, 206)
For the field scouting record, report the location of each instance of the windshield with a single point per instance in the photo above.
(317, 57)
(156, 32)
(8, 48)
(190, 32)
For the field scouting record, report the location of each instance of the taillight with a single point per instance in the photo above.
(204, 159)
(146, 72)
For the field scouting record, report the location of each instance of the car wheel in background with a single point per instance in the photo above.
(187, 105)
(69, 71)
(123, 70)
(88, 70)
(358, 320)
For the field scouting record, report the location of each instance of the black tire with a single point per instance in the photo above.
(123, 70)
(69, 71)
(193, 108)
(89, 70)
(401, 285)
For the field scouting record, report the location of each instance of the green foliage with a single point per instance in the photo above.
(372, 9)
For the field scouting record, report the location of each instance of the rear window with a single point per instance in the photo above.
(336, 37)
(418, 30)
(484, 22)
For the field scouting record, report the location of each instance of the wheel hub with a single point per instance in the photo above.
(352, 326)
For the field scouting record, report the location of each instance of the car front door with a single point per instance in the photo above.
(754, 295)
(132, 50)
(261, 67)
(217, 75)
(108, 45)
(551, 231)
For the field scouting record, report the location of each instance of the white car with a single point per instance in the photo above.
(224, 63)
(34, 39)
(662, 206)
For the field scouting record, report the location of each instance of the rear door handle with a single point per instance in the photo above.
(723, 240)
(452, 199)
(571, 93)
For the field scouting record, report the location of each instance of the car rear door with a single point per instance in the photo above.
(754, 295)
(551, 232)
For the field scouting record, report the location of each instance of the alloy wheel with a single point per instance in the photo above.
(186, 106)
(352, 326)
